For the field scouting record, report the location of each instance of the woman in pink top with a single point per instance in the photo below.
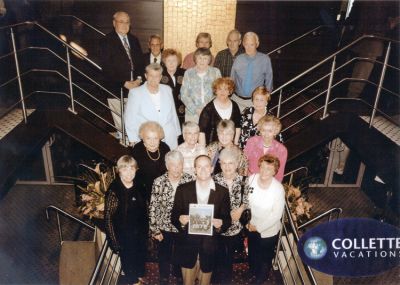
(257, 146)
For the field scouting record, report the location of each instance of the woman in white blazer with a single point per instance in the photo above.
(152, 101)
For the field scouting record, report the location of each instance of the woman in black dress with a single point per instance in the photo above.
(150, 155)
(221, 108)
(173, 76)
(126, 221)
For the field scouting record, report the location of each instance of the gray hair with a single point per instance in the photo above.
(234, 31)
(155, 67)
(155, 36)
(251, 35)
(226, 125)
(151, 126)
(116, 14)
(189, 125)
(173, 155)
(230, 153)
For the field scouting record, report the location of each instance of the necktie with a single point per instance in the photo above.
(128, 51)
(155, 60)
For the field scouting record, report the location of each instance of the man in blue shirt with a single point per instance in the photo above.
(250, 70)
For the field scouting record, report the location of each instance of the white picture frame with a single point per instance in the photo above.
(200, 219)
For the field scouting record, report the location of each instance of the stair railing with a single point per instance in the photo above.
(107, 267)
(107, 262)
(332, 213)
(313, 32)
(331, 85)
(68, 216)
(85, 23)
(70, 67)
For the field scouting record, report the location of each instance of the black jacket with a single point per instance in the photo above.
(189, 246)
(115, 61)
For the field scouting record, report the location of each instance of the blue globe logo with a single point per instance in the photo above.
(315, 248)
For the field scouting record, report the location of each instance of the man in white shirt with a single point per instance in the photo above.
(196, 253)
(155, 48)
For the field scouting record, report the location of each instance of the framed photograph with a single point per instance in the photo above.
(200, 219)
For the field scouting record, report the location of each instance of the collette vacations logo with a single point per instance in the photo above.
(351, 247)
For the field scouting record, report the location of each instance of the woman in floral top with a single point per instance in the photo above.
(230, 179)
(196, 90)
(251, 115)
(161, 203)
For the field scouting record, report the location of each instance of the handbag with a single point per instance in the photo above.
(245, 217)
(246, 214)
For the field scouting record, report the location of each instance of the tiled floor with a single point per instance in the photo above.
(11, 120)
(386, 127)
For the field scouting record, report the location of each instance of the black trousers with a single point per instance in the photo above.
(225, 253)
(261, 253)
(165, 256)
(133, 257)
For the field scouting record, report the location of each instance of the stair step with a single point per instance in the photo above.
(11, 120)
(386, 127)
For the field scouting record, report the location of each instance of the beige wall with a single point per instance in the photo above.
(184, 19)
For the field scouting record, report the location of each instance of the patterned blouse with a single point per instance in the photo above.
(213, 150)
(189, 155)
(161, 203)
(248, 128)
(192, 86)
(235, 196)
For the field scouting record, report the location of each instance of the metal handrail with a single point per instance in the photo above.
(85, 23)
(288, 229)
(295, 39)
(105, 252)
(329, 213)
(291, 173)
(331, 57)
(63, 60)
(67, 215)
(35, 23)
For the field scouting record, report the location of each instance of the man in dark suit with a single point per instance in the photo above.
(196, 253)
(155, 49)
(122, 62)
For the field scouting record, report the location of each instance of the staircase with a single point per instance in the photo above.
(309, 121)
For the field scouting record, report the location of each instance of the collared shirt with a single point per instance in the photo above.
(261, 70)
(189, 155)
(224, 61)
(204, 193)
(152, 57)
(121, 37)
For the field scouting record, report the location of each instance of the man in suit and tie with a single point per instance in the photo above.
(196, 253)
(155, 49)
(122, 62)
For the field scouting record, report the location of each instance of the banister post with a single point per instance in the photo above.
(379, 89)
(21, 92)
(328, 92)
(71, 91)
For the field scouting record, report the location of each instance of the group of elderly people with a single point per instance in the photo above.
(229, 158)
(156, 187)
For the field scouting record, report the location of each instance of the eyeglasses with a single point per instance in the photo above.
(123, 22)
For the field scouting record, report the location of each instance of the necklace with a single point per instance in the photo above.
(153, 159)
(267, 146)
